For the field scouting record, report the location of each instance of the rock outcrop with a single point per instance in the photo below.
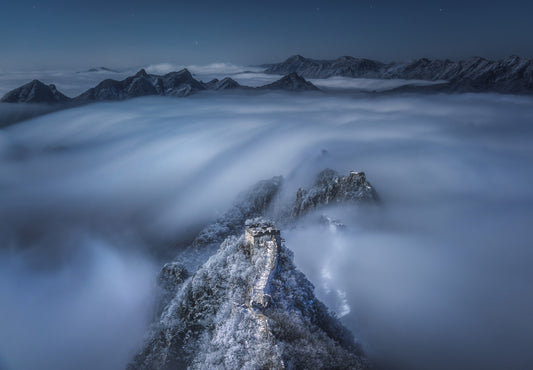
(331, 188)
(35, 92)
(248, 307)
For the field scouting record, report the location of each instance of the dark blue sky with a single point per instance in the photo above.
(61, 33)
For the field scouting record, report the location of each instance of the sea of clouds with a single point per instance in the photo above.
(94, 199)
(73, 83)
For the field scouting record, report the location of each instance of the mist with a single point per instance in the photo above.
(95, 199)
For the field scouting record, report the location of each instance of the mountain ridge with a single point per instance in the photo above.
(247, 305)
(179, 84)
(509, 75)
(512, 75)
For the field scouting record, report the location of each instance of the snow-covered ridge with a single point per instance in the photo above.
(261, 201)
(247, 306)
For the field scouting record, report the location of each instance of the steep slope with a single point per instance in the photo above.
(35, 92)
(248, 307)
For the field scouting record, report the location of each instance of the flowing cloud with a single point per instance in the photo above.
(94, 199)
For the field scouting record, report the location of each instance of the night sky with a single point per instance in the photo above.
(65, 33)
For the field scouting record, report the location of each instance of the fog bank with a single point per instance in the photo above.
(95, 198)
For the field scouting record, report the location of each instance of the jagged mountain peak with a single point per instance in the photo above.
(180, 83)
(296, 57)
(345, 58)
(291, 82)
(226, 83)
(141, 73)
(513, 59)
(476, 58)
(229, 79)
(35, 92)
(181, 72)
(99, 69)
(332, 188)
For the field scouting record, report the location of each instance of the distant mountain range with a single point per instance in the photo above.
(509, 75)
(179, 84)
(99, 69)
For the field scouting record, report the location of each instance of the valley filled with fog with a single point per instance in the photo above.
(95, 199)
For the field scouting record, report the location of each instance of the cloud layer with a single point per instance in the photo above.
(94, 198)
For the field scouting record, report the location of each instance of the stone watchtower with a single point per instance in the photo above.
(255, 230)
(263, 241)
